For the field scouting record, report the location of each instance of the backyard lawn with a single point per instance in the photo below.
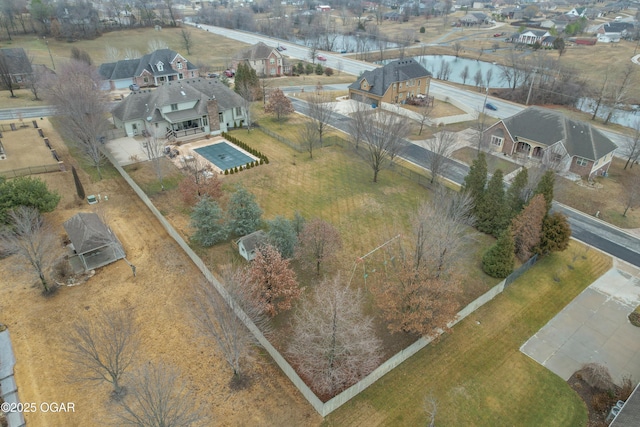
(477, 374)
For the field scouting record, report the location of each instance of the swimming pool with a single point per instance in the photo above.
(224, 155)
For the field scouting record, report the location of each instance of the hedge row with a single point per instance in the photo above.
(235, 141)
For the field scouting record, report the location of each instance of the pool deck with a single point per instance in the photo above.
(188, 149)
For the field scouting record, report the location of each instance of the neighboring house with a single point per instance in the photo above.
(180, 109)
(549, 137)
(578, 12)
(163, 65)
(394, 83)
(533, 36)
(17, 64)
(93, 243)
(475, 18)
(265, 60)
(612, 32)
(248, 245)
(512, 12)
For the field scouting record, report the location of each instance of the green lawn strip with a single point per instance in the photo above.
(468, 154)
(477, 373)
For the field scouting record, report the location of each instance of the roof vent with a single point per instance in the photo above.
(183, 94)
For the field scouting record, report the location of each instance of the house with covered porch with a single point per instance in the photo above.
(181, 109)
(549, 137)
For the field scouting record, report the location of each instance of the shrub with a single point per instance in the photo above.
(634, 317)
(236, 169)
(232, 172)
(226, 171)
(328, 71)
(422, 30)
(626, 389)
(600, 402)
(597, 376)
(261, 161)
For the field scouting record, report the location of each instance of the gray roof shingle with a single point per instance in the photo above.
(381, 78)
(17, 60)
(549, 127)
(129, 68)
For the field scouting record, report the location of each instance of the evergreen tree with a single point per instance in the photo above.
(545, 187)
(527, 227)
(298, 222)
(246, 77)
(556, 234)
(208, 220)
(492, 213)
(476, 179)
(515, 193)
(282, 235)
(498, 260)
(244, 213)
(76, 180)
(26, 191)
(319, 69)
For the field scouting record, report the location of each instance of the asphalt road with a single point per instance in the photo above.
(584, 228)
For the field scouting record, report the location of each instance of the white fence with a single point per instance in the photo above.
(323, 409)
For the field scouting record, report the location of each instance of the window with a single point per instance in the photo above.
(400, 85)
(174, 107)
(205, 121)
(418, 82)
(179, 65)
(238, 111)
(272, 61)
(160, 66)
(496, 140)
(180, 76)
(220, 118)
(145, 79)
(394, 86)
(273, 71)
(581, 161)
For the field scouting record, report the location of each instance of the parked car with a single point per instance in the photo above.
(229, 73)
(134, 87)
(281, 48)
(497, 35)
(321, 58)
(491, 107)
(92, 200)
(213, 75)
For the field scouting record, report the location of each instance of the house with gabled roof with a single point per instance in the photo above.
(180, 109)
(578, 12)
(17, 64)
(265, 60)
(533, 36)
(160, 66)
(548, 136)
(248, 245)
(394, 83)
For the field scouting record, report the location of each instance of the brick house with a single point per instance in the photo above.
(547, 136)
(394, 83)
(180, 109)
(153, 69)
(265, 60)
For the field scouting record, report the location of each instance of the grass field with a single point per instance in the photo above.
(477, 374)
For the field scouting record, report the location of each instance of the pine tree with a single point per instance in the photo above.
(245, 216)
(556, 234)
(282, 235)
(492, 213)
(476, 180)
(76, 180)
(498, 260)
(515, 193)
(208, 220)
(545, 187)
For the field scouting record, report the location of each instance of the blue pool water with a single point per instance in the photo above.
(224, 155)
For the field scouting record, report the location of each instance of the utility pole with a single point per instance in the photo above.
(533, 79)
(50, 55)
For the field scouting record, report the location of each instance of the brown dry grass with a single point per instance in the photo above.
(160, 296)
(605, 196)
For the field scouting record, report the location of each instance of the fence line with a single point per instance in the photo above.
(334, 403)
(521, 270)
(33, 170)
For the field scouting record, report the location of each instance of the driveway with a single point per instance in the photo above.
(126, 150)
(594, 328)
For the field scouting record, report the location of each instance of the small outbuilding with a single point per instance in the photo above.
(93, 243)
(248, 244)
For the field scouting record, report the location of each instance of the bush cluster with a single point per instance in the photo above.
(235, 141)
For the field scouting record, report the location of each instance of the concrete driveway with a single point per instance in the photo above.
(594, 328)
(127, 150)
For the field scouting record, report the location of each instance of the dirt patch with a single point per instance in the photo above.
(24, 147)
(598, 402)
(160, 296)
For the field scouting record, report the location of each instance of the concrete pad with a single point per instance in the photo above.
(126, 150)
(593, 328)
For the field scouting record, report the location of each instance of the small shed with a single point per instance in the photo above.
(94, 244)
(248, 244)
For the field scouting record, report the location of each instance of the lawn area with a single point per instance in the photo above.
(477, 373)
(467, 155)
(605, 195)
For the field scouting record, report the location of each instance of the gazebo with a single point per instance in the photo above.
(93, 243)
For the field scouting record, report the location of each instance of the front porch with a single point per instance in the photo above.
(525, 150)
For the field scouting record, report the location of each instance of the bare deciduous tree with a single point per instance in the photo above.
(200, 180)
(457, 47)
(333, 342)
(631, 193)
(5, 75)
(217, 318)
(187, 40)
(321, 111)
(442, 146)
(383, 137)
(75, 93)
(318, 243)
(279, 104)
(424, 111)
(249, 93)
(309, 137)
(102, 347)
(158, 397)
(619, 92)
(631, 150)
(153, 148)
(358, 123)
(32, 239)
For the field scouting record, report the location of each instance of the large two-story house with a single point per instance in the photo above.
(550, 137)
(17, 65)
(180, 109)
(394, 83)
(265, 60)
(153, 69)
